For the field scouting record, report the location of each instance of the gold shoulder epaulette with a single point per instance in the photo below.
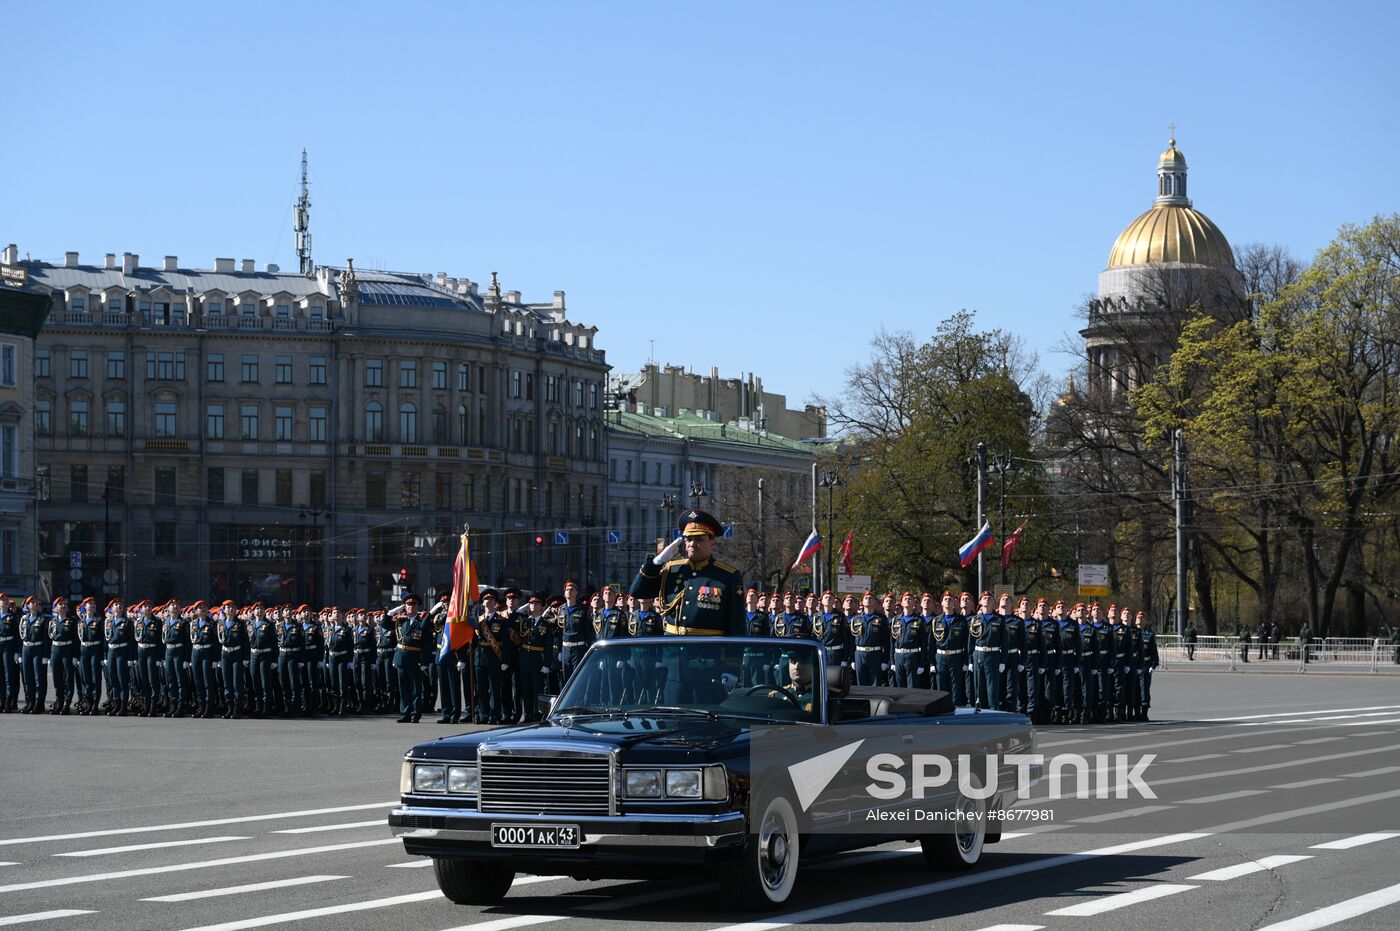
(725, 566)
(676, 562)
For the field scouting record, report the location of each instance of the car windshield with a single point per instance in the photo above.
(769, 680)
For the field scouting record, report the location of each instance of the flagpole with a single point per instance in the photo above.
(814, 526)
(981, 506)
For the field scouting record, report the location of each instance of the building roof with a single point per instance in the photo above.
(698, 428)
(1172, 233)
(62, 277)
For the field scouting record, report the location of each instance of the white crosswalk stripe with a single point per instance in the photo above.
(1359, 840)
(1246, 869)
(1342, 911)
(1224, 797)
(132, 848)
(376, 823)
(43, 916)
(342, 909)
(1306, 783)
(239, 890)
(1122, 900)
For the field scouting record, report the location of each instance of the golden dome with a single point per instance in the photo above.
(1172, 233)
(1172, 158)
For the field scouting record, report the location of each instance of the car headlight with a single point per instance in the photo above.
(463, 780)
(642, 783)
(430, 779)
(716, 782)
(682, 783)
(406, 778)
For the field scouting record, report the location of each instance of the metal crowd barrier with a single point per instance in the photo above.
(1371, 653)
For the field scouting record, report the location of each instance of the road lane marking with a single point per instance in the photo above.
(238, 890)
(1263, 768)
(505, 924)
(9, 863)
(1208, 799)
(1359, 840)
(1385, 770)
(1196, 759)
(1321, 740)
(1263, 748)
(1354, 719)
(1306, 783)
(1013, 928)
(1292, 714)
(864, 903)
(192, 842)
(1276, 817)
(1253, 866)
(341, 909)
(840, 863)
(1342, 911)
(44, 916)
(415, 865)
(377, 822)
(1375, 733)
(184, 825)
(647, 898)
(1122, 900)
(1125, 813)
(196, 865)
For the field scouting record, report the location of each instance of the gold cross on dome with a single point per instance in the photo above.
(1172, 129)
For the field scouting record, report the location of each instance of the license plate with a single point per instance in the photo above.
(556, 836)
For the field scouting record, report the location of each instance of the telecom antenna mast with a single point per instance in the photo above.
(302, 224)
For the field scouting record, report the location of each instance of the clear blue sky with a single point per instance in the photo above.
(757, 186)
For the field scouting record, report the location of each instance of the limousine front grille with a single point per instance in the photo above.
(523, 783)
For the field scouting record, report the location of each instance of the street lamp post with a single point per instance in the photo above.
(312, 583)
(697, 491)
(829, 481)
(1004, 465)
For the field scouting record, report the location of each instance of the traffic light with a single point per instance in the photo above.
(403, 577)
(539, 540)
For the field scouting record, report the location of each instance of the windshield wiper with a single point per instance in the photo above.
(674, 709)
(583, 710)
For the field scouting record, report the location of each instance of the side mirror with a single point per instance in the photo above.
(544, 704)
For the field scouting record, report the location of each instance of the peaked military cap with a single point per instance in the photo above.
(698, 523)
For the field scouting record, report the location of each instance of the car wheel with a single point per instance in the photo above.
(962, 847)
(764, 876)
(472, 883)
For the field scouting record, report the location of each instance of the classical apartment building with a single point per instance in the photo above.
(23, 308)
(258, 434)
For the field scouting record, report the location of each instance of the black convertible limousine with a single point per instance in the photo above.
(646, 766)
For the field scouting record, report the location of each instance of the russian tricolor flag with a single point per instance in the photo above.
(809, 549)
(977, 544)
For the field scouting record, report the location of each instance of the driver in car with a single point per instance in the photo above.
(800, 675)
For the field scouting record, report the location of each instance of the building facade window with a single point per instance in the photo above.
(464, 377)
(214, 487)
(462, 425)
(440, 426)
(374, 422)
(165, 366)
(78, 418)
(318, 489)
(443, 496)
(374, 373)
(164, 486)
(116, 366)
(43, 418)
(440, 376)
(250, 368)
(9, 450)
(283, 488)
(43, 490)
(376, 484)
(469, 492)
(318, 370)
(408, 374)
(7, 364)
(282, 422)
(78, 484)
(515, 384)
(214, 367)
(115, 492)
(165, 418)
(78, 363)
(411, 494)
(214, 421)
(249, 489)
(283, 370)
(593, 396)
(41, 363)
(9, 550)
(316, 425)
(116, 418)
(165, 541)
(551, 388)
(248, 414)
(408, 423)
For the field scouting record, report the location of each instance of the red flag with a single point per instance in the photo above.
(848, 562)
(464, 592)
(1009, 547)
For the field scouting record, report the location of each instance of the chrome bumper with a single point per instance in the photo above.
(469, 826)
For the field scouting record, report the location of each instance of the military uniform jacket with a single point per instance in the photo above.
(1134, 660)
(148, 630)
(205, 633)
(1149, 649)
(989, 632)
(175, 632)
(609, 624)
(575, 626)
(909, 632)
(793, 626)
(9, 628)
(1101, 642)
(233, 635)
(364, 638)
(63, 633)
(291, 637)
(649, 624)
(414, 635)
(757, 624)
(34, 630)
(539, 635)
(871, 634)
(90, 631)
(1033, 649)
(496, 641)
(263, 634)
(119, 631)
(315, 639)
(704, 599)
(1068, 634)
(342, 640)
(948, 632)
(834, 632)
(1014, 644)
(387, 638)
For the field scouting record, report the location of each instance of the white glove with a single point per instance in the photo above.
(461, 666)
(544, 669)
(921, 670)
(728, 680)
(884, 667)
(660, 665)
(245, 663)
(1020, 668)
(669, 553)
(187, 665)
(505, 666)
(44, 660)
(844, 664)
(619, 664)
(1040, 671)
(1001, 667)
(967, 668)
(19, 661)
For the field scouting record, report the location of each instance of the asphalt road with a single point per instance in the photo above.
(1278, 807)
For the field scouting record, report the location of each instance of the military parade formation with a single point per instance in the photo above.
(1058, 664)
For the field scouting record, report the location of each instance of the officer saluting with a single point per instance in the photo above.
(698, 595)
